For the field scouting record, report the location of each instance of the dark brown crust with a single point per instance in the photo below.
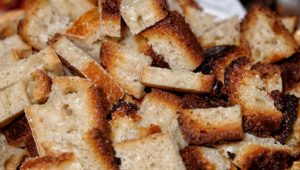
(31, 147)
(258, 157)
(157, 60)
(194, 160)
(198, 133)
(267, 71)
(47, 161)
(196, 101)
(175, 28)
(123, 108)
(276, 25)
(110, 10)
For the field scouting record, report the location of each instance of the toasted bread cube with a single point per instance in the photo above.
(266, 38)
(173, 39)
(125, 66)
(135, 15)
(73, 120)
(157, 151)
(88, 67)
(110, 18)
(195, 157)
(262, 153)
(9, 22)
(212, 125)
(11, 157)
(290, 23)
(162, 105)
(182, 81)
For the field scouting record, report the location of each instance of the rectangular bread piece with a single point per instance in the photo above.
(134, 15)
(212, 125)
(155, 152)
(125, 65)
(73, 120)
(182, 81)
(88, 67)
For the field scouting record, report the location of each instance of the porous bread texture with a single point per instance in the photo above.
(110, 18)
(44, 18)
(293, 140)
(79, 60)
(125, 66)
(9, 22)
(11, 157)
(160, 108)
(290, 23)
(155, 152)
(212, 125)
(196, 157)
(182, 81)
(265, 36)
(174, 5)
(73, 120)
(45, 60)
(173, 39)
(134, 15)
(257, 152)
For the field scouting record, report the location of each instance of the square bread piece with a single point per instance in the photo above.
(160, 108)
(212, 125)
(141, 14)
(182, 81)
(110, 17)
(173, 39)
(73, 120)
(155, 152)
(195, 158)
(77, 59)
(264, 35)
(125, 65)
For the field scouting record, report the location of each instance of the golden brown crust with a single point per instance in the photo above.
(175, 28)
(198, 133)
(9, 21)
(41, 91)
(49, 161)
(161, 8)
(110, 10)
(193, 159)
(108, 54)
(166, 97)
(276, 26)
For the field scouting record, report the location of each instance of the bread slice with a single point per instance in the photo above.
(226, 32)
(81, 109)
(110, 18)
(125, 66)
(182, 81)
(62, 161)
(260, 153)
(133, 13)
(43, 19)
(247, 89)
(264, 35)
(84, 32)
(195, 157)
(212, 125)
(173, 39)
(45, 60)
(13, 49)
(9, 22)
(88, 67)
(11, 157)
(290, 23)
(162, 105)
(157, 151)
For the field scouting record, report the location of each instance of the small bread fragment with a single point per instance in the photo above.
(266, 38)
(134, 15)
(212, 125)
(84, 64)
(296, 165)
(182, 81)
(80, 108)
(155, 152)
(62, 161)
(125, 66)
(45, 60)
(173, 39)
(290, 23)
(110, 18)
(247, 89)
(11, 157)
(162, 105)
(195, 158)
(259, 153)
(9, 22)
